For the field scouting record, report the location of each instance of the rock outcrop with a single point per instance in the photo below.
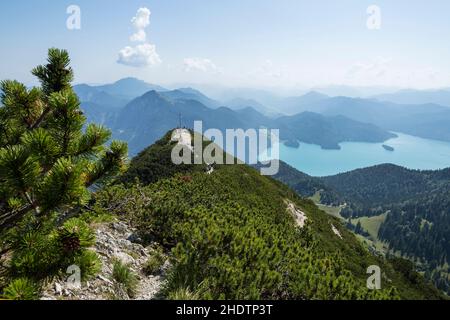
(114, 241)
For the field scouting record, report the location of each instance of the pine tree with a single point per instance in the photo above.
(48, 157)
(358, 228)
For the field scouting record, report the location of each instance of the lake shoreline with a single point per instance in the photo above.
(410, 152)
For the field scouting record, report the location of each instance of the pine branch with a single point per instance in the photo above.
(11, 218)
(4, 251)
(112, 162)
(41, 118)
(32, 203)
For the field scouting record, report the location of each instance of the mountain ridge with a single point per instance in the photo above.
(269, 202)
(147, 117)
(411, 96)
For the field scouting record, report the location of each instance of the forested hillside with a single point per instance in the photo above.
(416, 204)
(204, 219)
(384, 185)
(305, 185)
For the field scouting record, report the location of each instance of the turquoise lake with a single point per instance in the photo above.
(411, 152)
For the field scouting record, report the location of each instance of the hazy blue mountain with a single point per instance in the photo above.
(150, 116)
(263, 97)
(100, 114)
(430, 125)
(144, 119)
(354, 91)
(191, 94)
(328, 132)
(94, 95)
(254, 116)
(242, 103)
(147, 117)
(102, 103)
(129, 88)
(441, 97)
(426, 120)
(294, 105)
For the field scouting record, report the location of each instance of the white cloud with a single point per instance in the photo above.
(268, 69)
(200, 64)
(376, 68)
(141, 55)
(142, 18)
(139, 36)
(140, 22)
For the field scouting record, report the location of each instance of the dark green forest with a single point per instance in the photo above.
(416, 202)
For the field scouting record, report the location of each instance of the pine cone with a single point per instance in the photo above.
(70, 243)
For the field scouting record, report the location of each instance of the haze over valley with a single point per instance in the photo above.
(348, 132)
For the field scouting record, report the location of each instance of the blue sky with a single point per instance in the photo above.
(254, 43)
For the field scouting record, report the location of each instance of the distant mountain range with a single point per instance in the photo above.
(101, 102)
(141, 112)
(328, 131)
(129, 88)
(241, 103)
(441, 97)
(422, 120)
(92, 94)
(294, 105)
(190, 94)
(114, 95)
(146, 118)
(354, 91)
